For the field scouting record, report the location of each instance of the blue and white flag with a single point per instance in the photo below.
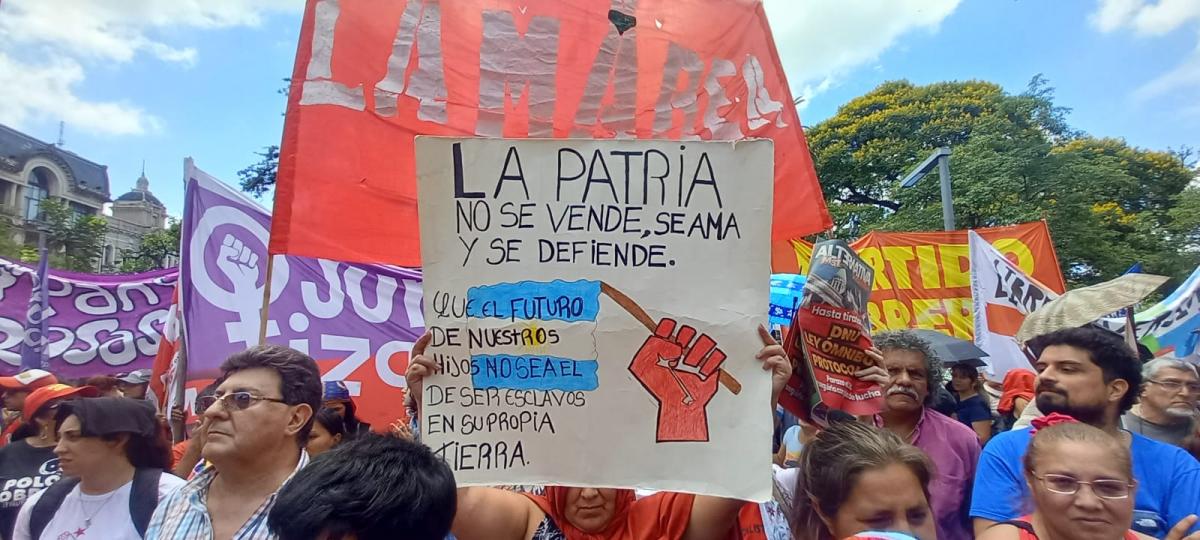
(33, 348)
(540, 335)
(786, 292)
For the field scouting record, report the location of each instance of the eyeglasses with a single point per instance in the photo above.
(234, 401)
(1105, 489)
(1175, 386)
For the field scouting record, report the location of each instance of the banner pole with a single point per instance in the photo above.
(266, 301)
(179, 387)
(1131, 331)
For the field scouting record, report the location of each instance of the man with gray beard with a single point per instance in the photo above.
(1167, 408)
(913, 373)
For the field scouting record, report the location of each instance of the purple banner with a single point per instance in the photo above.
(358, 321)
(96, 324)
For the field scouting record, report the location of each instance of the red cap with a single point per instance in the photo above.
(43, 395)
(28, 380)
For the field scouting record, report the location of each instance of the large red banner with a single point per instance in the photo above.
(370, 75)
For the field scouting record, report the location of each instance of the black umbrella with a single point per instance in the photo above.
(951, 349)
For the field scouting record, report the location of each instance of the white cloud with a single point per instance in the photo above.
(1113, 14)
(822, 41)
(1184, 76)
(47, 46)
(45, 89)
(1148, 19)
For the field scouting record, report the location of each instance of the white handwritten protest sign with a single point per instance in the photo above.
(593, 306)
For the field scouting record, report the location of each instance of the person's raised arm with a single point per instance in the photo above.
(713, 517)
(1019, 405)
(781, 456)
(183, 468)
(494, 514)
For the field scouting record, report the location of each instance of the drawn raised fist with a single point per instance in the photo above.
(680, 370)
(239, 263)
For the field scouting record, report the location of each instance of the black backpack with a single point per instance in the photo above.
(143, 498)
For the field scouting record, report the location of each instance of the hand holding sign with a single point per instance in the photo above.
(419, 366)
(545, 362)
(775, 360)
(679, 370)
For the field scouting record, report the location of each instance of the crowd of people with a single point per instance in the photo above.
(274, 452)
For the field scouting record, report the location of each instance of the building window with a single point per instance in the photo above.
(37, 191)
(81, 211)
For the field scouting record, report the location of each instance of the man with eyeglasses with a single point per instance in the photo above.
(1167, 408)
(257, 425)
(1091, 375)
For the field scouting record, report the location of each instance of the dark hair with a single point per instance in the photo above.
(907, 340)
(375, 487)
(832, 462)
(300, 380)
(103, 383)
(1105, 349)
(25, 431)
(972, 373)
(31, 428)
(143, 452)
(331, 421)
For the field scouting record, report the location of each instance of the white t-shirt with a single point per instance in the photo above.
(786, 480)
(110, 521)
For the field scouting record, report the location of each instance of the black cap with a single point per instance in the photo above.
(111, 415)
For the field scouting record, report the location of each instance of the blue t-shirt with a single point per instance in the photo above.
(972, 409)
(1168, 482)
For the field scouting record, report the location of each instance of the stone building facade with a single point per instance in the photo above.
(32, 171)
(133, 215)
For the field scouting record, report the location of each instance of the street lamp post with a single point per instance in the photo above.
(941, 157)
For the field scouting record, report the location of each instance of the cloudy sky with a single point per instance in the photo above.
(158, 80)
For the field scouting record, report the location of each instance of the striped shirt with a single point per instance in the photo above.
(183, 515)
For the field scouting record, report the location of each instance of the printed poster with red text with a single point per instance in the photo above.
(830, 336)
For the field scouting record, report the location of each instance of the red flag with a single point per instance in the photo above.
(163, 372)
(371, 75)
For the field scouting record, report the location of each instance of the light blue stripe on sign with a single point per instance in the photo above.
(558, 300)
(533, 372)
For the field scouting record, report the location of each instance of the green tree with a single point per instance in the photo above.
(75, 241)
(258, 178)
(158, 248)
(9, 248)
(1014, 159)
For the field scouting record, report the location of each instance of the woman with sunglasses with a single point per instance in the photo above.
(1082, 487)
(29, 465)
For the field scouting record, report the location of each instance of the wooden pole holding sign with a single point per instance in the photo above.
(266, 301)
